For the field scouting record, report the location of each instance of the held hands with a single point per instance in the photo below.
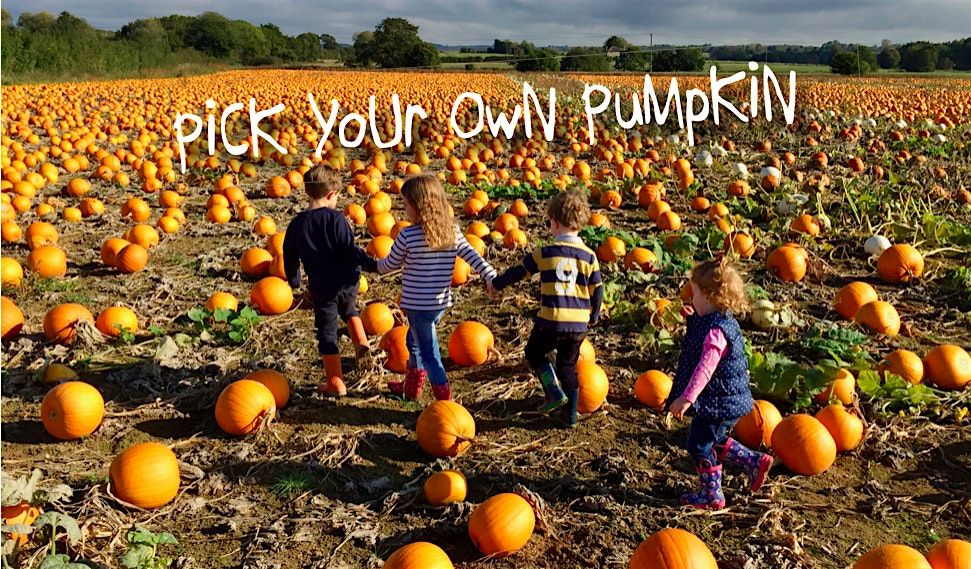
(680, 407)
(491, 290)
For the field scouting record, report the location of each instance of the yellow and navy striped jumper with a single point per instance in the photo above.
(571, 290)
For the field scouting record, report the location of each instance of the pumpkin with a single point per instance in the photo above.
(111, 248)
(900, 263)
(950, 554)
(656, 209)
(445, 428)
(11, 273)
(470, 344)
(892, 556)
(851, 297)
(13, 318)
(904, 363)
(114, 319)
(672, 548)
(788, 263)
(445, 487)
(72, 410)
(740, 244)
(380, 224)
(948, 367)
(41, 234)
(255, 262)
(461, 269)
(641, 259)
(222, 300)
(59, 322)
(144, 235)
(652, 388)
(506, 222)
(418, 555)
(805, 224)
(276, 382)
(244, 407)
(611, 250)
(841, 388)
(593, 387)
(515, 239)
(21, 514)
(48, 261)
(502, 525)
(845, 427)
(804, 445)
(379, 247)
(669, 221)
(145, 475)
(131, 259)
(394, 342)
(879, 317)
(271, 295)
(587, 352)
(756, 428)
(377, 319)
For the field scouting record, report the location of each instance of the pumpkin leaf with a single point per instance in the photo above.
(16, 528)
(58, 520)
(138, 556)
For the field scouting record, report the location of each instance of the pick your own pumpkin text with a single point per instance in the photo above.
(695, 106)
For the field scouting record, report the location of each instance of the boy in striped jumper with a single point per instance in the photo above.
(426, 251)
(571, 293)
(321, 239)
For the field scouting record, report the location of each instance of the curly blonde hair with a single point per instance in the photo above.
(722, 284)
(570, 209)
(427, 196)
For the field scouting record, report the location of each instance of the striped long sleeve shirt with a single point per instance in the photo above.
(571, 290)
(427, 274)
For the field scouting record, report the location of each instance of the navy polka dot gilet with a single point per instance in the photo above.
(727, 395)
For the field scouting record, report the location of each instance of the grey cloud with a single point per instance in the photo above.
(570, 22)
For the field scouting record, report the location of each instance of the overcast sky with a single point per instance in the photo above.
(568, 22)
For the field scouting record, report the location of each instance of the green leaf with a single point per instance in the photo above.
(155, 330)
(199, 315)
(222, 314)
(62, 521)
(138, 556)
(142, 536)
(869, 382)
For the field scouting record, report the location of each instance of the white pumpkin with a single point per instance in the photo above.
(704, 159)
(790, 204)
(875, 245)
(740, 170)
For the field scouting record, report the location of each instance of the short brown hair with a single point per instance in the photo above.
(320, 181)
(722, 284)
(569, 208)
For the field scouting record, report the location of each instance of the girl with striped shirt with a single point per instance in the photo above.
(426, 251)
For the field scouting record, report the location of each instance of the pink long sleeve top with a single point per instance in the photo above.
(711, 353)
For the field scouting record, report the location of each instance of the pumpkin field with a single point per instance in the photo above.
(159, 378)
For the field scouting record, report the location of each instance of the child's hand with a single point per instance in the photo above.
(680, 407)
(688, 310)
(491, 290)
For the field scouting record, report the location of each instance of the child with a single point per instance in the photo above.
(427, 251)
(321, 239)
(571, 293)
(713, 378)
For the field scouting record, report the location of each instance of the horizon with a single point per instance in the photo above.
(436, 24)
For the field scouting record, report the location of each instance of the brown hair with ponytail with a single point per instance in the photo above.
(721, 282)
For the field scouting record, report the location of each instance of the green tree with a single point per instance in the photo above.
(634, 59)
(7, 19)
(212, 34)
(277, 42)
(918, 57)
(585, 59)
(538, 60)
(306, 47)
(888, 58)
(685, 59)
(618, 42)
(845, 63)
(361, 52)
(39, 23)
(394, 43)
(328, 42)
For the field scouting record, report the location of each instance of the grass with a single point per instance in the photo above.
(729, 67)
(292, 483)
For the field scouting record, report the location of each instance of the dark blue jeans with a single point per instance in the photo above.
(422, 341)
(703, 434)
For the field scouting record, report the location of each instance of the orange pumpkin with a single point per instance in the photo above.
(804, 445)
(502, 525)
(851, 297)
(805, 224)
(879, 317)
(900, 264)
(611, 250)
(40, 234)
(470, 344)
(841, 388)
(740, 244)
(395, 345)
(892, 556)
(593, 387)
(72, 410)
(587, 352)
(20, 514)
(445, 487)
(276, 382)
(111, 248)
(756, 428)
(113, 320)
(506, 222)
(845, 427)
(948, 367)
(11, 273)
(255, 262)
(672, 548)
(445, 428)
(145, 475)
(223, 300)
(144, 235)
(47, 261)
(377, 319)
(652, 388)
(244, 407)
(379, 247)
(271, 295)
(59, 322)
(13, 318)
(788, 263)
(641, 259)
(418, 555)
(380, 223)
(131, 259)
(950, 554)
(904, 363)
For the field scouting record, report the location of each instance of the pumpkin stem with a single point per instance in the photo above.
(493, 352)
